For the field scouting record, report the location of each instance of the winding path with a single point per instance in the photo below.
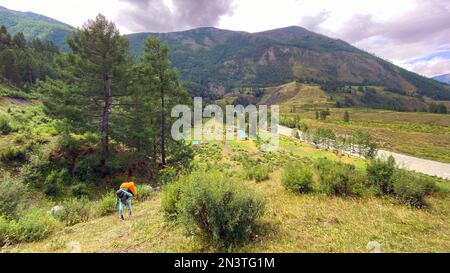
(425, 166)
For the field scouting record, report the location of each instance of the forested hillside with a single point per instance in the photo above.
(214, 61)
(35, 26)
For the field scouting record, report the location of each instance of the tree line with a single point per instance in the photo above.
(359, 142)
(23, 63)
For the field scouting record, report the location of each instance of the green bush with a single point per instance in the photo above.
(412, 190)
(297, 179)
(55, 181)
(80, 190)
(108, 204)
(220, 210)
(6, 231)
(13, 194)
(167, 175)
(5, 127)
(336, 178)
(88, 170)
(75, 211)
(171, 197)
(13, 155)
(34, 225)
(380, 175)
(258, 173)
(145, 192)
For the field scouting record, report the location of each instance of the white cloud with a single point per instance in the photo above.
(430, 68)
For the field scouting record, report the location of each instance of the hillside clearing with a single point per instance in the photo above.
(292, 223)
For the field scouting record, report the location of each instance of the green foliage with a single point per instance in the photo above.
(346, 117)
(75, 211)
(5, 127)
(365, 144)
(33, 225)
(296, 178)
(145, 192)
(13, 155)
(55, 181)
(171, 197)
(5, 231)
(380, 175)
(220, 210)
(258, 172)
(35, 28)
(167, 175)
(411, 190)
(107, 204)
(87, 170)
(80, 190)
(336, 178)
(13, 194)
(437, 108)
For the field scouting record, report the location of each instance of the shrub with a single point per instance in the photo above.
(258, 173)
(336, 178)
(88, 170)
(34, 225)
(167, 175)
(412, 190)
(13, 155)
(171, 197)
(5, 231)
(218, 209)
(145, 192)
(54, 183)
(108, 204)
(80, 190)
(75, 211)
(13, 194)
(5, 127)
(297, 179)
(380, 175)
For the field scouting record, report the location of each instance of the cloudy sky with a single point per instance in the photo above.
(411, 33)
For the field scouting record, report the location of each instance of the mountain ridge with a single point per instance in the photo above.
(34, 25)
(443, 78)
(212, 61)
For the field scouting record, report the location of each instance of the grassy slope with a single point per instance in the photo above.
(293, 223)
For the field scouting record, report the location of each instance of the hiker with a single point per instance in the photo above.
(124, 195)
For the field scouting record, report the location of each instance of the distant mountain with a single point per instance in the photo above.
(443, 78)
(213, 61)
(35, 26)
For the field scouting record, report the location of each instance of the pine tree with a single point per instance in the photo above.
(165, 82)
(95, 70)
(19, 40)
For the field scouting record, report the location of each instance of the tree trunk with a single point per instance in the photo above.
(105, 120)
(163, 127)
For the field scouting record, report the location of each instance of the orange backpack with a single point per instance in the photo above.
(129, 186)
